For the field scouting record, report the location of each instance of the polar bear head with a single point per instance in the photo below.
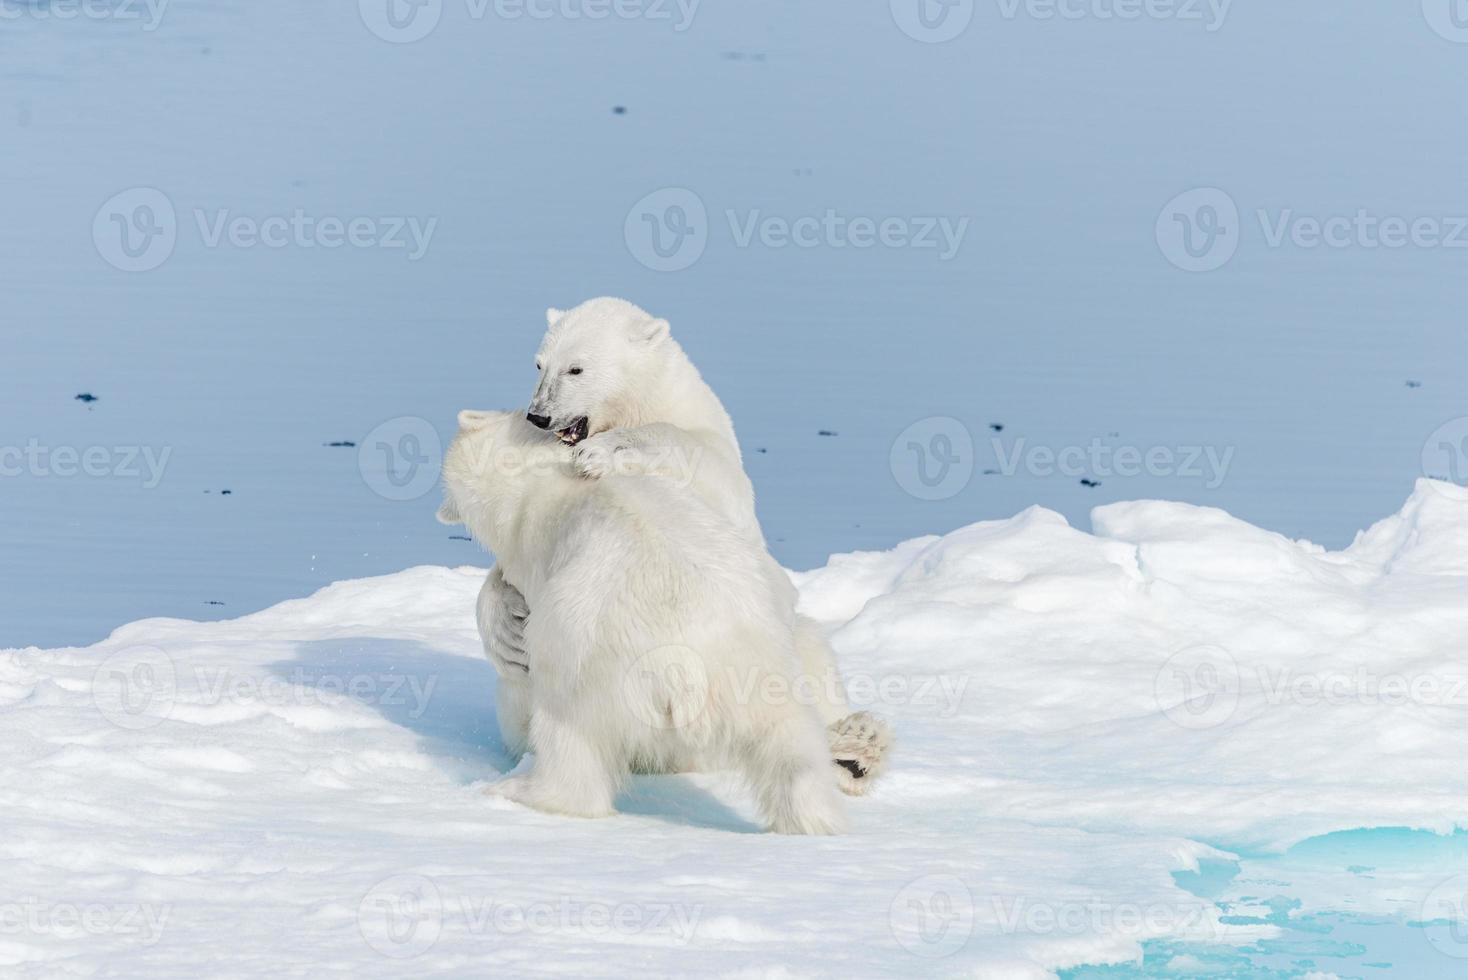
(598, 364)
(497, 465)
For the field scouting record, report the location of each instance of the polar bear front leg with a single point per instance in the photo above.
(656, 449)
(501, 615)
(617, 451)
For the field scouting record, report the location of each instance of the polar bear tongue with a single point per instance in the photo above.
(574, 432)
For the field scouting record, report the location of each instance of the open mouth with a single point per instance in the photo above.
(574, 432)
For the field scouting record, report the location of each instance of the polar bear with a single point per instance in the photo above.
(660, 639)
(616, 386)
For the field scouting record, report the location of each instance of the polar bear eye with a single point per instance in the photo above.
(537, 365)
(575, 370)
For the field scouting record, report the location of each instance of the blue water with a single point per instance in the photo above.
(1060, 316)
(1339, 938)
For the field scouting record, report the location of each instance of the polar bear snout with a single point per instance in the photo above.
(539, 421)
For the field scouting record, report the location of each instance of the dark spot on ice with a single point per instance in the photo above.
(619, 110)
(340, 443)
(991, 472)
(1090, 483)
(226, 492)
(997, 426)
(460, 537)
(213, 602)
(761, 449)
(826, 432)
(87, 397)
(1414, 384)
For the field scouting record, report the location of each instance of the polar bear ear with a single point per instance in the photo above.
(552, 315)
(448, 513)
(471, 420)
(651, 333)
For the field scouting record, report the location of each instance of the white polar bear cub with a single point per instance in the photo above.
(657, 637)
(615, 385)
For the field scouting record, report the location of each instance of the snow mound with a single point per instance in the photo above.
(1079, 716)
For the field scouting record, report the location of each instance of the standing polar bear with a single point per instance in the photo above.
(618, 388)
(663, 640)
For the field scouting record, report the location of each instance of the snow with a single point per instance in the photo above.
(298, 791)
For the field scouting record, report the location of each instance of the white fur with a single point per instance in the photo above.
(658, 637)
(649, 411)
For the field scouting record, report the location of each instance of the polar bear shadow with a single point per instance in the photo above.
(444, 698)
(447, 700)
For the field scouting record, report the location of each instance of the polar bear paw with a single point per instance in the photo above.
(512, 788)
(859, 744)
(603, 454)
